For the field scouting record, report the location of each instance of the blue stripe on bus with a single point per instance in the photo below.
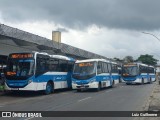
(86, 81)
(42, 78)
(97, 79)
(115, 77)
(137, 77)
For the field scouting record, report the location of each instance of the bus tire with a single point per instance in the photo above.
(120, 80)
(150, 81)
(49, 88)
(113, 84)
(142, 81)
(99, 87)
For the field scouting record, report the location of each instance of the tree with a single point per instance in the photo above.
(147, 59)
(118, 59)
(128, 59)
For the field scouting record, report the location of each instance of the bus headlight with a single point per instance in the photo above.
(93, 80)
(29, 81)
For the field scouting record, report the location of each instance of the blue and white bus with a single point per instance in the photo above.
(94, 74)
(138, 73)
(37, 71)
(116, 71)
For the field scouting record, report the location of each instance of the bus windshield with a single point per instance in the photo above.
(130, 71)
(20, 69)
(84, 70)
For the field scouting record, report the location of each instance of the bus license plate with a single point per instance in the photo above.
(82, 86)
(14, 88)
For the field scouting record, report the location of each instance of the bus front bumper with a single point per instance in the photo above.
(85, 86)
(133, 81)
(33, 86)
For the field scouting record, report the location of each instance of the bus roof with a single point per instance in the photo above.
(114, 63)
(62, 57)
(53, 56)
(92, 60)
(151, 66)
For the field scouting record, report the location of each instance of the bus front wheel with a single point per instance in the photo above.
(112, 84)
(99, 87)
(49, 88)
(150, 81)
(142, 81)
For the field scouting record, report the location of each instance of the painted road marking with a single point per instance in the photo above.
(84, 99)
(2, 105)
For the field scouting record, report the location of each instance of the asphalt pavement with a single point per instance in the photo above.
(120, 98)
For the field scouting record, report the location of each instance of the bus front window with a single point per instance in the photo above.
(84, 70)
(130, 71)
(20, 69)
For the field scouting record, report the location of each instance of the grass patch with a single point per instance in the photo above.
(1, 87)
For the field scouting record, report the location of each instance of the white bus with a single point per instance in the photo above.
(36, 71)
(138, 73)
(94, 74)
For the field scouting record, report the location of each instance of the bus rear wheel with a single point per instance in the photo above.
(49, 88)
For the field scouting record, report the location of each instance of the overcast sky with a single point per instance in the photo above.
(112, 28)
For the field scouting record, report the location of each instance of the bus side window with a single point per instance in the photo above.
(114, 68)
(143, 69)
(119, 71)
(105, 68)
(63, 65)
(153, 70)
(150, 70)
(109, 68)
(139, 70)
(99, 68)
(41, 64)
(53, 66)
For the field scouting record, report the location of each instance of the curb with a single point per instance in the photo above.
(148, 101)
(155, 99)
(2, 93)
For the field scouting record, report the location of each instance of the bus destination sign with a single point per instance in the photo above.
(21, 55)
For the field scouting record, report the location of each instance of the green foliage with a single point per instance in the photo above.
(147, 59)
(128, 59)
(118, 59)
(1, 87)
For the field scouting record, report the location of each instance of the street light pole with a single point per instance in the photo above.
(159, 40)
(152, 35)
